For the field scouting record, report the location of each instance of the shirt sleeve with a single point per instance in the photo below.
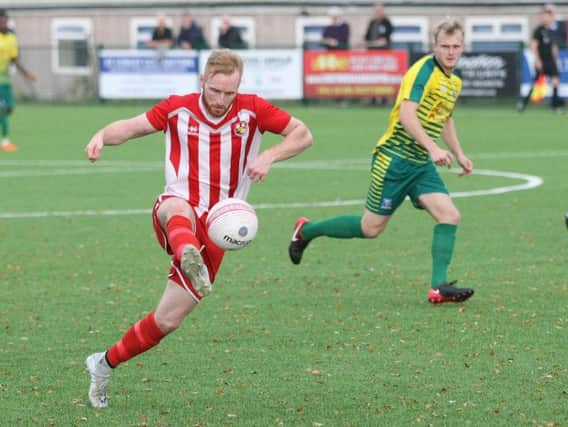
(13, 48)
(416, 80)
(158, 114)
(269, 117)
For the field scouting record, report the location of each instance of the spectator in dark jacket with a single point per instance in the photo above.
(336, 35)
(229, 36)
(190, 34)
(378, 35)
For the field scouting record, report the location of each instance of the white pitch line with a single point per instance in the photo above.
(113, 166)
(81, 171)
(531, 181)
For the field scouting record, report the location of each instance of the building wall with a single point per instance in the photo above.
(275, 27)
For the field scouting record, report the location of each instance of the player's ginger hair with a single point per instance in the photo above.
(449, 26)
(223, 61)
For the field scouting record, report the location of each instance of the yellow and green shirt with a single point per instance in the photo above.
(436, 93)
(8, 52)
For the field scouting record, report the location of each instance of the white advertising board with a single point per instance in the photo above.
(269, 73)
(147, 74)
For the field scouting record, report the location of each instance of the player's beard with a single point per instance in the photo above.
(215, 110)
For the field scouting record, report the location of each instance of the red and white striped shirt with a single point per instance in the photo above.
(206, 158)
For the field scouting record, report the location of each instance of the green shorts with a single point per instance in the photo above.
(393, 178)
(6, 99)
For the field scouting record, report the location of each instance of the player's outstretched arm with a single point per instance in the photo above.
(27, 75)
(450, 137)
(117, 133)
(297, 137)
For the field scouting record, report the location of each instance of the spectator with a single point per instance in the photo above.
(336, 34)
(545, 51)
(190, 34)
(230, 36)
(378, 35)
(162, 37)
(8, 56)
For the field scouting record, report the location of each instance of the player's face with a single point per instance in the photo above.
(448, 49)
(219, 91)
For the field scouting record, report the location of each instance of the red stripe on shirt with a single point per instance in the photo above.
(236, 143)
(193, 149)
(250, 139)
(214, 167)
(175, 147)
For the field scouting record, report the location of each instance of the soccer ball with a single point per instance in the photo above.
(232, 224)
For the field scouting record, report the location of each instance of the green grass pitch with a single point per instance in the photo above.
(345, 339)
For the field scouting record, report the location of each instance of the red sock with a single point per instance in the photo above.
(144, 335)
(180, 234)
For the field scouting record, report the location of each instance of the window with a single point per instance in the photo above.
(410, 33)
(245, 25)
(496, 33)
(71, 40)
(309, 31)
(141, 30)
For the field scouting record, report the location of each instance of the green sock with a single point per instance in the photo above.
(340, 227)
(4, 125)
(443, 244)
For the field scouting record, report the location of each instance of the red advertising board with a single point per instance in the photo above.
(353, 73)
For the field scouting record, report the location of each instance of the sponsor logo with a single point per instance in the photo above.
(386, 204)
(236, 242)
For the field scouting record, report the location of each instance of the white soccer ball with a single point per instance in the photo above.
(232, 224)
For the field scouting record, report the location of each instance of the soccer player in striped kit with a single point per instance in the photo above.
(212, 142)
(404, 164)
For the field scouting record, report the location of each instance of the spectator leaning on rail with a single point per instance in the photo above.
(162, 36)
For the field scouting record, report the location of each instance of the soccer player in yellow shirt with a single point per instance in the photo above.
(404, 163)
(8, 56)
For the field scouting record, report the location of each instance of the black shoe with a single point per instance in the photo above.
(447, 292)
(298, 244)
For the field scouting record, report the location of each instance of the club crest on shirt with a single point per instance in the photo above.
(241, 128)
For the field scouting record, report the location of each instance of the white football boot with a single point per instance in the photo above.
(100, 375)
(194, 268)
